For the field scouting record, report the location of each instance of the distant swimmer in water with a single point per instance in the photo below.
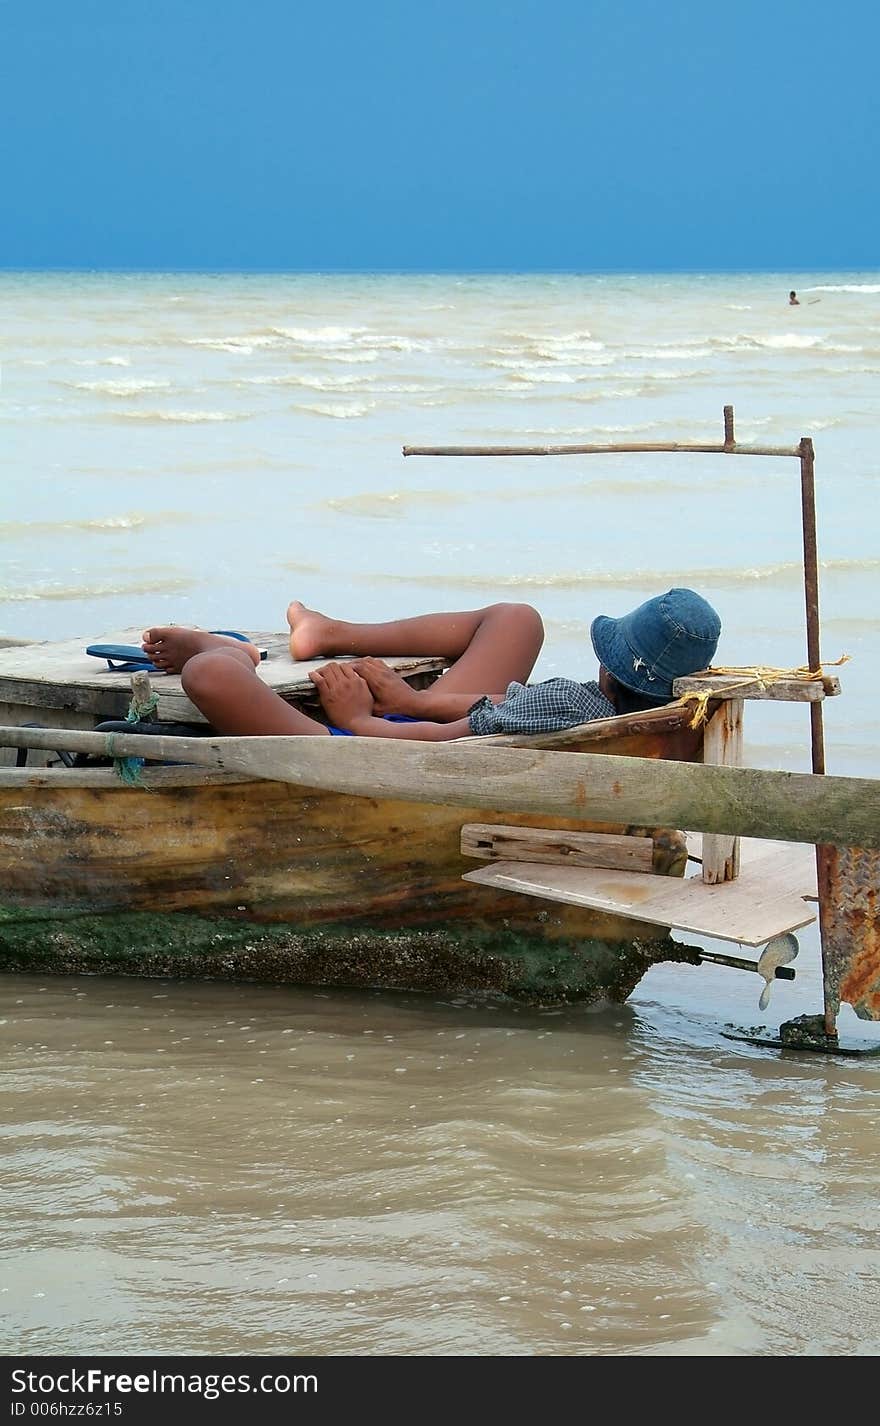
(793, 299)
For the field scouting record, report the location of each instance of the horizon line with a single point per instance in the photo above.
(135, 271)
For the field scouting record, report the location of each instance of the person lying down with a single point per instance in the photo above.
(491, 653)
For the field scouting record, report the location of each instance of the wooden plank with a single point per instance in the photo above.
(765, 901)
(723, 746)
(587, 787)
(784, 690)
(63, 675)
(495, 842)
(16, 714)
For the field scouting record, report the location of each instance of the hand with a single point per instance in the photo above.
(345, 696)
(391, 693)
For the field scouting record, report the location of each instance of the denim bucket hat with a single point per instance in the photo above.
(667, 637)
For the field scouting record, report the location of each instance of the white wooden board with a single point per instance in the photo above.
(765, 900)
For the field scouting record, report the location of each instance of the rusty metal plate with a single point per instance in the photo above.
(849, 883)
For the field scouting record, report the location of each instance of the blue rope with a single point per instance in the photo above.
(129, 770)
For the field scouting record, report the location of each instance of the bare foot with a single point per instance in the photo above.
(170, 646)
(344, 695)
(392, 693)
(309, 632)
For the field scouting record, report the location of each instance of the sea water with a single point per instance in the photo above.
(235, 1168)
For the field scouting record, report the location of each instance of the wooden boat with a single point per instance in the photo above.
(344, 862)
(204, 872)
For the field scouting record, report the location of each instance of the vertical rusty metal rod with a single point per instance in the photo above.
(811, 591)
(729, 439)
(824, 854)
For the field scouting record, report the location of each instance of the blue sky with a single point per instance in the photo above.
(602, 135)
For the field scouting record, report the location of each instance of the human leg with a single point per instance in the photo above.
(169, 646)
(486, 648)
(219, 676)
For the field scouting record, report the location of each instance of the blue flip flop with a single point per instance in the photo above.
(122, 658)
(130, 658)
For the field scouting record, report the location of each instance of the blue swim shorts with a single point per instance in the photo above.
(389, 718)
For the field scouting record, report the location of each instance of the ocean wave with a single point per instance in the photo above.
(395, 344)
(581, 337)
(679, 430)
(386, 504)
(782, 341)
(566, 351)
(786, 573)
(111, 589)
(319, 336)
(870, 287)
(535, 360)
(690, 374)
(312, 383)
(348, 357)
(239, 346)
(539, 376)
(586, 430)
(119, 388)
(853, 623)
(336, 410)
(403, 388)
(110, 523)
(647, 489)
(188, 418)
(104, 361)
(299, 566)
(670, 352)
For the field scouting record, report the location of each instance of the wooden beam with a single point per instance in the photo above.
(589, 787)
(784, 690)
(723, 747)
(493, 842)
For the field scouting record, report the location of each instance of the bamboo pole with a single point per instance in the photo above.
(610, 448)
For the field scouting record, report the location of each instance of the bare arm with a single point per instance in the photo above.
(423, 732)
(392, 694)
(348, 703)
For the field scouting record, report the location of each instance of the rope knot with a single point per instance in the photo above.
(762, 676)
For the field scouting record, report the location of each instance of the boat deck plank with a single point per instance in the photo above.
(62, 675)
(764, 901)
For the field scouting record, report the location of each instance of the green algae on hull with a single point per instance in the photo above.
(433, 959)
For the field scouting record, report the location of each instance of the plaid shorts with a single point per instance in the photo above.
(540, 708)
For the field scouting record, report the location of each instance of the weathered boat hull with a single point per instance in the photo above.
(204, 874)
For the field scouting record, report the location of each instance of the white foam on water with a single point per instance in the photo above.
(187, 418)
(337, 411)
(94, 589)
(862, 287)
(320, 336)
(104, 361)
(388, 504)
(119, 388)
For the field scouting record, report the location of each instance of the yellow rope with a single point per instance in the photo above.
(764, 677)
